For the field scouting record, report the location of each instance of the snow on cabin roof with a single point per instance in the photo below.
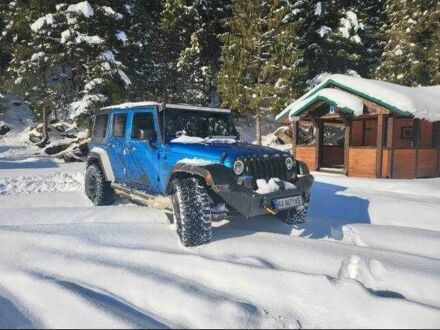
(346, 102)
(422, 102)
(129, 105)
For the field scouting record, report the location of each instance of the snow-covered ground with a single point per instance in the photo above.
(369, 256)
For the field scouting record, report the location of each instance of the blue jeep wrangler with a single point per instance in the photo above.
(193, 155)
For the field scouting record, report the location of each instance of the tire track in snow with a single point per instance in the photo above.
(107, 301)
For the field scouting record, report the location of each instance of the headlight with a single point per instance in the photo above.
(238, 167)
(290, 163)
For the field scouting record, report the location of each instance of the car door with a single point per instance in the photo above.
(116, 145)
(141, 157)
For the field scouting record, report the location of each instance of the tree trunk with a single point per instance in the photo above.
(55, 115)
(258, 127)
(45, 139)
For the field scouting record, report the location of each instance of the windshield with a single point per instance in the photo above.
(198, 124)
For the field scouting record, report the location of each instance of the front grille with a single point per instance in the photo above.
(265, 167)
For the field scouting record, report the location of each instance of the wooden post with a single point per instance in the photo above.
(380, 142)
(416, 143)
(347, 121)
(294, 137)
(390, 146)
(317, 123)
(363, 132)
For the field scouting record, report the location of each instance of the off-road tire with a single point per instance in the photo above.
(97, 189)
(191, 211)
(294, 216)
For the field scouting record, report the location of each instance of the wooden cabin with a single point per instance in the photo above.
(387, 130)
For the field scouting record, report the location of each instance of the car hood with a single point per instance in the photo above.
(214, 151)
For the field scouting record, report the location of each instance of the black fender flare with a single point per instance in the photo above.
(213, 174)
(95, 158)
(302, 168)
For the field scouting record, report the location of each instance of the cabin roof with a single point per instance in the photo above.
(422, 102)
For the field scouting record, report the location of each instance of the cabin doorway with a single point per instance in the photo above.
(332, 151)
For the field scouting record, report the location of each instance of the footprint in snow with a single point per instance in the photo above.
(367, 272)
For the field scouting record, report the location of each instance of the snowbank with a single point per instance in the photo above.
(123, 266)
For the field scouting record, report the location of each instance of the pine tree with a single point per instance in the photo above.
(141, 49)
(371, 19)
(244, 81)
(5, 55)
(190, 48)
(65, 56)
(299, 40)
(410, 56)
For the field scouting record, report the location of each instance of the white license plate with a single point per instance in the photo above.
(287, 203)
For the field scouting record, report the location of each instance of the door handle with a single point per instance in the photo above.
(129, 149)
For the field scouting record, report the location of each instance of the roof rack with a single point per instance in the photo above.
(191, 107)
(163, 106)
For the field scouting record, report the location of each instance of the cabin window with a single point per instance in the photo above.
(100, 126)
(306, 134)
(142, 121)
(119, 123)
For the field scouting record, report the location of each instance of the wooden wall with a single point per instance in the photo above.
(306, 154)
(426, 134)
(364, 132)
(356, 133)
(398, 141)
(332, 155)
(362, 162)
(427, 163)
(404, 163)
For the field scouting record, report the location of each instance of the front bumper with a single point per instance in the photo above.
(250, 204)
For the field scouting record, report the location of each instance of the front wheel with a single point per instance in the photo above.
(192, 211)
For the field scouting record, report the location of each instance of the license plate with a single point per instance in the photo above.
(287, 203)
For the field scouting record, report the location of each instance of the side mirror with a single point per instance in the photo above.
(152, 138)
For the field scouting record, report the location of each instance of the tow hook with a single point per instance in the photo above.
(267, 204)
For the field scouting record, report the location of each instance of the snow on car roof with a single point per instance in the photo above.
(130, 105)
(422, 102)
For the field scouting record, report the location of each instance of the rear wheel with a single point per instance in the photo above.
(97, 189)
(192, 211)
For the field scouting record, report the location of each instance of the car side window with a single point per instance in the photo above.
(119, 123)
(100, 126)
(142, 121)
